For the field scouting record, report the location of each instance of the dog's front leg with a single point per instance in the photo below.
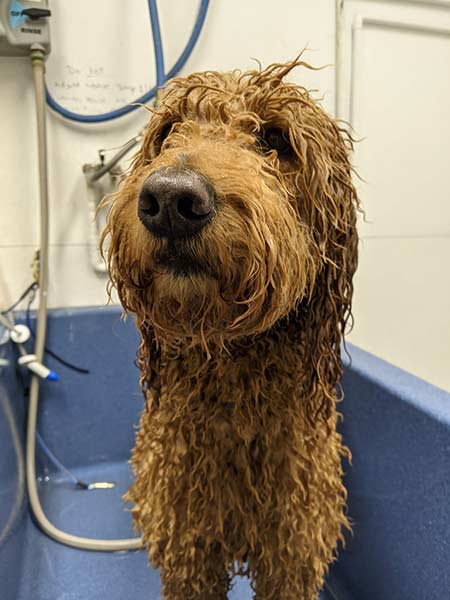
(192, 576)
(285, 566)
(285, 581)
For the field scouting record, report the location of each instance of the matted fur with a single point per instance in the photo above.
(237, 459)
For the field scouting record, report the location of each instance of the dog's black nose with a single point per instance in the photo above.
(175, 203)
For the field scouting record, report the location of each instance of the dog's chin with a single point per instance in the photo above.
(191, 308)
(185, 269)
(189, 301)
(186, 305)
(182, 283)
(179, 261)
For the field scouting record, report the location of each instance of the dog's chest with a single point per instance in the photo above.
(225, 442)
(227, 419)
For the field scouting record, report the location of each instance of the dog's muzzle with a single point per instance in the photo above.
(176, 203)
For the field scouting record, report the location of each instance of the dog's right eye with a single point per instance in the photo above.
(275, 138)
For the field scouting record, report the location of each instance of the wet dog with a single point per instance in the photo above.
(233, 244)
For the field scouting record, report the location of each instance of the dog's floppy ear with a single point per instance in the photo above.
(148, 361)
(131, 281)
(328, 203)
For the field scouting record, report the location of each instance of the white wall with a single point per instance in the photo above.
(394, 86)
(402, 287)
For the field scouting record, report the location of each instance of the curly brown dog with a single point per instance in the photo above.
(233, 243)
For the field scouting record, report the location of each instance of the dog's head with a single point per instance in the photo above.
(239, 212)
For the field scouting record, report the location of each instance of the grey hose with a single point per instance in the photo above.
(5, 405)
(38, 62)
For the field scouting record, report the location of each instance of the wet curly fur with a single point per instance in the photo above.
(237, 458)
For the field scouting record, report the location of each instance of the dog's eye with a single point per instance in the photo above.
(275, 138)
(163, 133)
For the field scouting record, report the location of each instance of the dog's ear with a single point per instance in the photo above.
(148, 361)
(328, 204)
(131, 283)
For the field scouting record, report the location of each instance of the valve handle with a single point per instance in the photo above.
(36, 13)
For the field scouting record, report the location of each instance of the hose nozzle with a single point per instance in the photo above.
(31, 362)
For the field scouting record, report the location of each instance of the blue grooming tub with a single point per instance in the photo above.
(397, 426)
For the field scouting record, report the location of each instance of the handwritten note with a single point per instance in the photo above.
(92, 90)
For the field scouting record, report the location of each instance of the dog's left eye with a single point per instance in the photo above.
(275, 138)
(163, 133)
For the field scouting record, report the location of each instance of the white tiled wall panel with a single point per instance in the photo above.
(402, 304)
(402, 116)
(71, 275)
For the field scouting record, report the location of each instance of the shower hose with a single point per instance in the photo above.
(38, 62)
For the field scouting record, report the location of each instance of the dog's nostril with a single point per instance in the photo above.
(149, 204)
(193, 209)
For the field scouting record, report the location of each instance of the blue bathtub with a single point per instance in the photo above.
(397, 426)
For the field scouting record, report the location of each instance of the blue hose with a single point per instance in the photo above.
(109, 116)
(157, 44)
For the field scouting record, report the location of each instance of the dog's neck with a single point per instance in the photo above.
(244, 372)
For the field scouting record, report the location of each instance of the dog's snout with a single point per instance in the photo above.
(175, 203)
